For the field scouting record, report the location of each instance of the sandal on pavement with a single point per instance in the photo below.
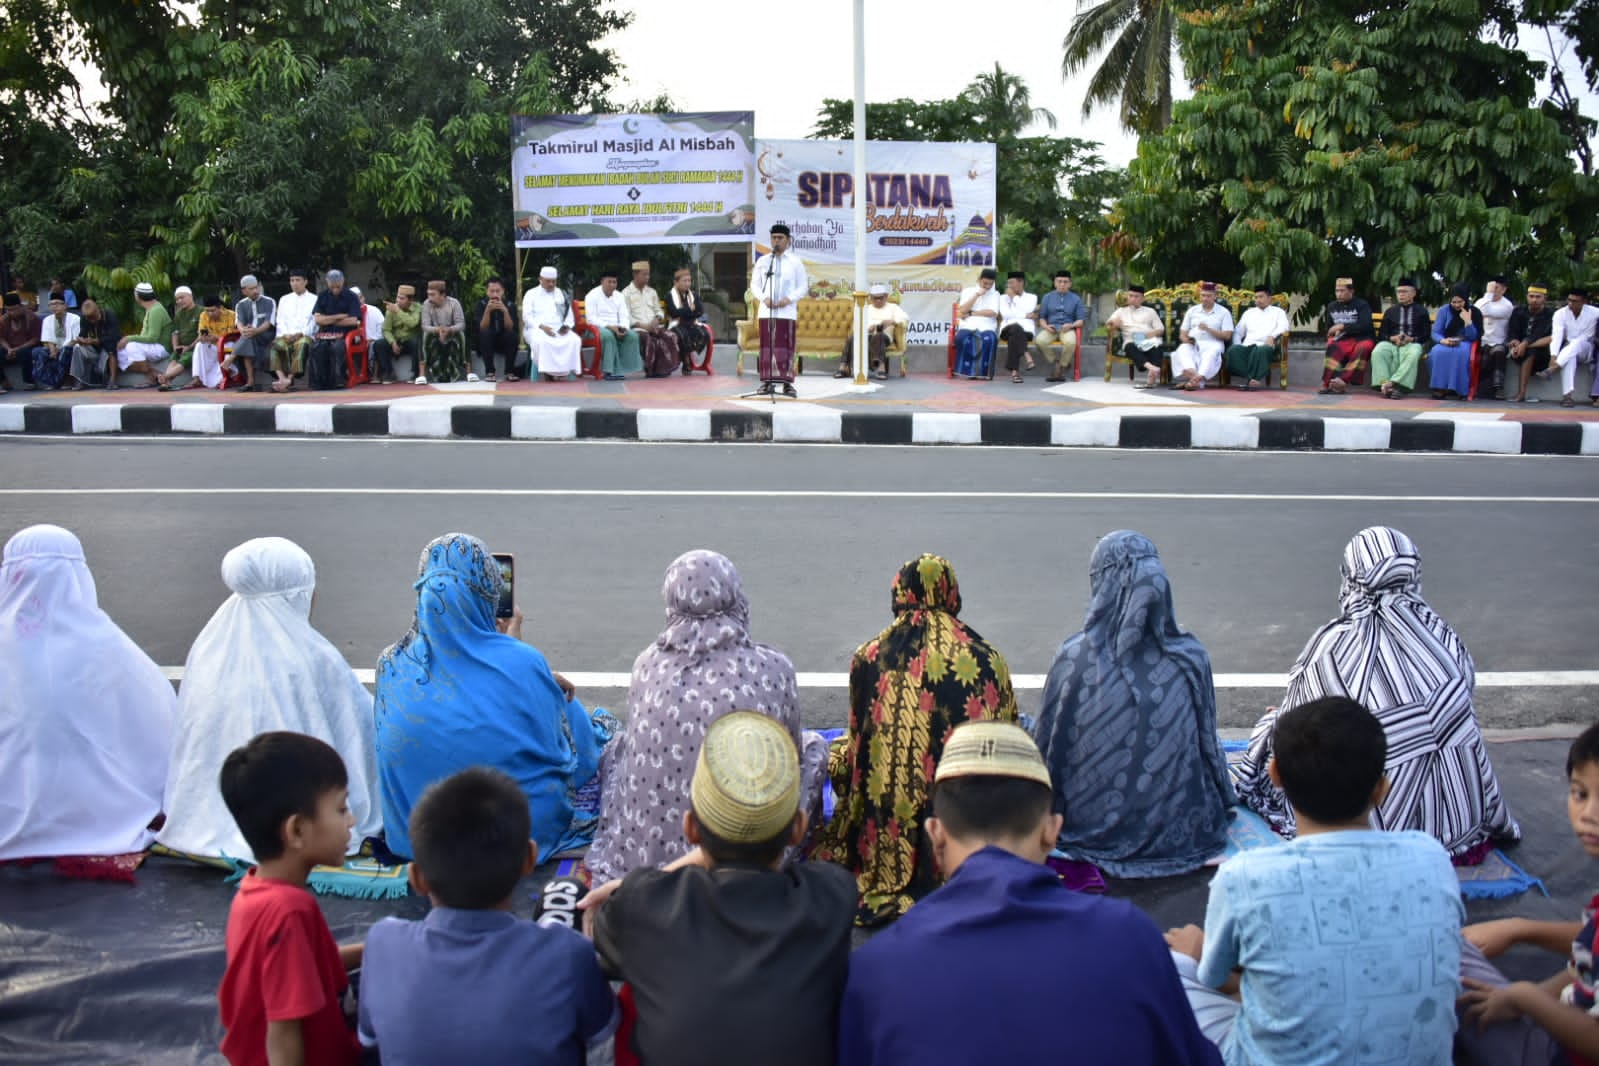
(1567, 401)
(1016, 376)
(841, 373)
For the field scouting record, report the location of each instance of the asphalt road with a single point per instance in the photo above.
(1252, 541)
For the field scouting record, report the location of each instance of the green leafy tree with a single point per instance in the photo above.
(1134, 41)
(1375, 140)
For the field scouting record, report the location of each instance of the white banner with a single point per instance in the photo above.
(632, 179)
(929, 218)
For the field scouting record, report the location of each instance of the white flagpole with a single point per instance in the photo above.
(861, 347)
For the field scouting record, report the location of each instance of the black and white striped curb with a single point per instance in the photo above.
(1272, 431)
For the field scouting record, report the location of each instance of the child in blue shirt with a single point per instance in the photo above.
(471, 983)
(1347, 939)
(1556, 1021)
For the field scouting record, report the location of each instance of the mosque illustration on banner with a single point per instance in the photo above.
(972, 246)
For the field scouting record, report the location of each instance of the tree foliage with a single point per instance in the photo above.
(260, 134)
(1135, 68)
(1372, 140)
(1052, 192)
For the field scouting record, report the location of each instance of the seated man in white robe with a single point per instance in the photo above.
(1206, 329)
(547, 322)
(606, 308)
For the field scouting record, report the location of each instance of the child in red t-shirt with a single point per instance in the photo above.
(280, 994)
(1556, 1021)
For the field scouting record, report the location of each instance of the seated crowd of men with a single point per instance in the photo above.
(265, 343)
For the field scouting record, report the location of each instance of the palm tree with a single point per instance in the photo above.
(1005, 103)
(1136, 70)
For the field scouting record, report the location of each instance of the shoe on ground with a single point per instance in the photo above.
(473, 378)
(788, 390)
(420, 380)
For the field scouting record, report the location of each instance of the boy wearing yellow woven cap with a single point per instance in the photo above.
(730, 958)
(1046, 974)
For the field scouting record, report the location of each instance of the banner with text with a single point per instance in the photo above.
(929, 218)
(633, 179)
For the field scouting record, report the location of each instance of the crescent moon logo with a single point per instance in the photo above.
(630, 126)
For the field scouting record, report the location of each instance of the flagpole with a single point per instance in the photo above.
(861, 345)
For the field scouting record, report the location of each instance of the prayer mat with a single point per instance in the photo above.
(89, 867)
(372, 873)
(828, 798)
(1496, 877)
(1075, 874)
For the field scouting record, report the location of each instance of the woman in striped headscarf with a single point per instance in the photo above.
(1393, 654)
(909, 687)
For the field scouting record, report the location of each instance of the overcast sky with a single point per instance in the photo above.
(789, 56)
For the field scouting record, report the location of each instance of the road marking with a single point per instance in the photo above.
(1034, 682)
(810, 494)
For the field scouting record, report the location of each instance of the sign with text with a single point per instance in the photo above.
(632, 179)
(929, 219)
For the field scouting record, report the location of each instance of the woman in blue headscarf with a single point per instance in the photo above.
(455, 692)
(1128, 726)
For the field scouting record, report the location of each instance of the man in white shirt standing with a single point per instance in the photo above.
(1206, 329)
(1138, 331)
(882, 319)
(547, 322)
(1495, 344)
(1571, 342)
(977, 328)
(779, 282)
(1017, 309)
(1255, 339)
(606, 308)
(295, 331)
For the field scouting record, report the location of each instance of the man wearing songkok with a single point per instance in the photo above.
(1571, 342)
(97, 340)
(402, 330)
(882, 319)
(547, 321)
(1398, 352)
(1004, 914)
(606, 308)
(57, 334)
(1530, 329)
(255, 317)
(1206, 329)
(1496, 310)
(336, 312)
(1017, 309)
(443, 338)
(1139, 331)
(729, 957)
(185, 330)
(1061, 314)
(497, 332)
(19, 336)
(215, 323)
(294, 330)
(1255, 341)
(137, 352)
(977, 328)
(779, 282)
(657, 344)
(1350, 339)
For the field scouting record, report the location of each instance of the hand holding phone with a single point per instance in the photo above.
(507, 605)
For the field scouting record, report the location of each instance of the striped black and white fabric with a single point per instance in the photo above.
(1390, 652)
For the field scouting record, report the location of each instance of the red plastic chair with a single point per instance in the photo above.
(710, 345)
(234, 376)
(588, 341)
(357, 357)
(1472, 395)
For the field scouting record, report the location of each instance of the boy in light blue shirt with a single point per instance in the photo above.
(1345, 942)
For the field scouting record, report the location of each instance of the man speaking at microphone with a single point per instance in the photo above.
(778, 282)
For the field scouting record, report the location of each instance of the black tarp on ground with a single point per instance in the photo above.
(114, 973)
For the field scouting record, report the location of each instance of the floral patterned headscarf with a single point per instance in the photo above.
(909, 687)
